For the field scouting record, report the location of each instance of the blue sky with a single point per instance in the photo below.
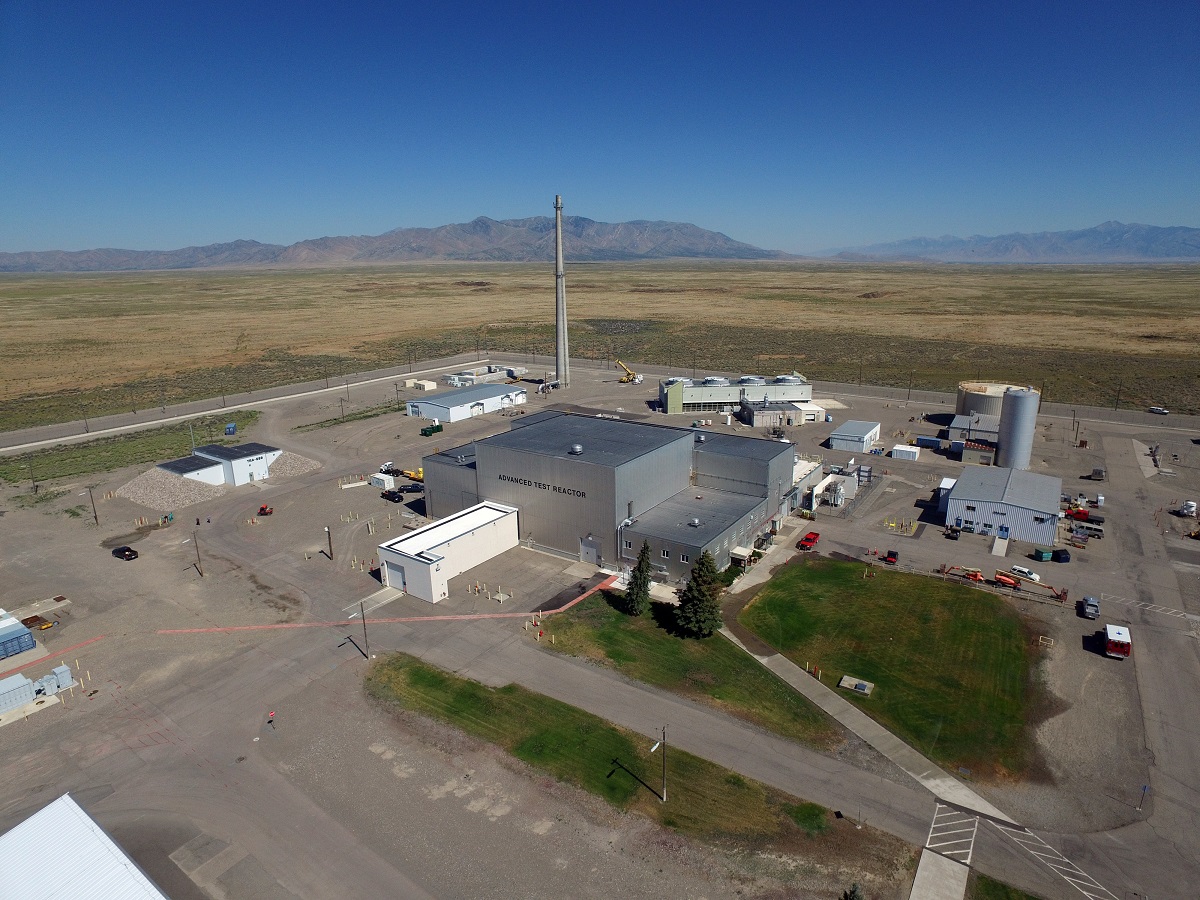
(796, 127)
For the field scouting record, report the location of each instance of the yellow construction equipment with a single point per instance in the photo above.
(630, 376)
(414, 474)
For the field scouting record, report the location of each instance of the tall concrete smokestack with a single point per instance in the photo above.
(562, 360)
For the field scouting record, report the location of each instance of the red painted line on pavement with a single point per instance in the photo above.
(608, 582)
(49, 656)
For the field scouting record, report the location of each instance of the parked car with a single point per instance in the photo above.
(808, 541)
(125, 553)
(1026, 573)
(392, 496)
(1159, 411)
(1089, 608)
(892, 556)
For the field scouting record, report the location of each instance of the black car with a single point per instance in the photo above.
(392, 496)
(413, 488)
(125, 553)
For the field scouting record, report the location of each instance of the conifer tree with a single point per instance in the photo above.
(637, 597)
(699, 612)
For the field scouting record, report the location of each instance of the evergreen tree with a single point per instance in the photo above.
(855, 893)
(699, 612)
(637, 597)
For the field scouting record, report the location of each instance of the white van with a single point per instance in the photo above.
(1089, 529)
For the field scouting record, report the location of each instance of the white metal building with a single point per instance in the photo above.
(454, 406)
(855, 436)
(217, 464)
(423, 561)
(906, 451)
(60, 853)
(1008, 503)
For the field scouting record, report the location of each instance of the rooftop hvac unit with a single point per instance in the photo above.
(576, 449)
(695, 523)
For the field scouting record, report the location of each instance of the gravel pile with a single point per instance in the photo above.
(288, 465)
(159, 489)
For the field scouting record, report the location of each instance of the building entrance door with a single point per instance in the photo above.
(589, 550)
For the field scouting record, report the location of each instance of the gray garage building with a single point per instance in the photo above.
(595, 488)
(855, 436)
(1009, 503)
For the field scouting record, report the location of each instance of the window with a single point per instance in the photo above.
(1039, 519)
(666, 554)
(970, 509)
(683, 557)
(629, 545)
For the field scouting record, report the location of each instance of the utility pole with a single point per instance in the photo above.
(1120, 384)
(329, 537)
(95, 516)
(192, 436)
(347, 390)
(86, 430)
(397, 386)
(663, 744)
(342, 404)
(366, 643)
(31, 477)
(910, 381)
(196, 541)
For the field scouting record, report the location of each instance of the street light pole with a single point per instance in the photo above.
(329, 537)
(196, 541)
(397, 386)
(95, 516)
(342, 404)
(366, 643)
(663, 744)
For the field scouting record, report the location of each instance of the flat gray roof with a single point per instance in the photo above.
(744, 447)
(472, 394)
(605, 442)
(854, 429)
(462, 455)
(718, 511)
(229, 454)
(188, 464)
(992, 484)
(977, 422)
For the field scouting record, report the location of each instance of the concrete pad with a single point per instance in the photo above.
(939, 878)
(23, 712)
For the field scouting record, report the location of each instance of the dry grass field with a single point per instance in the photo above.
(106, 342)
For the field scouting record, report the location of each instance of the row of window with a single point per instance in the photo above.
(666, 554)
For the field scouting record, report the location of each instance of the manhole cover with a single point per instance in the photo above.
(241, 759)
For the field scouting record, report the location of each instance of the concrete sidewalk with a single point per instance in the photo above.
(939, 783)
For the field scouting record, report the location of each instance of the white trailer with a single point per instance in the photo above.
(386, 482)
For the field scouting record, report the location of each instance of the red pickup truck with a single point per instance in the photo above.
(808, 541)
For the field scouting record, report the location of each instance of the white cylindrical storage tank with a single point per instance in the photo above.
(1018, 420)
(981, 398)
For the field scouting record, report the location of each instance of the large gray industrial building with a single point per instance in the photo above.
(596, 488)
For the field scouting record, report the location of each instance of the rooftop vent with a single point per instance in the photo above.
(576, 449)
(695, 523)
(700, 438)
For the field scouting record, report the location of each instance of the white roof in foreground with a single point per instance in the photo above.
(423, 542)
(89, 865)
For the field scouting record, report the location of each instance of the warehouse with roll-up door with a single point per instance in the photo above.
(854, 436)
(423, 561)
(478, 400)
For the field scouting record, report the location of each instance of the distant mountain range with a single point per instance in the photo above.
(532, 240)
(1112, 242)
(481, 240)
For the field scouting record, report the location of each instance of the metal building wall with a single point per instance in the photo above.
(538, 486)
(744, 531)
(1022, 523)
(449, 488)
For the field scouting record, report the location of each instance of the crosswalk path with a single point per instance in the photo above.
(952, 833)
(1151, 607)
(1063, 867)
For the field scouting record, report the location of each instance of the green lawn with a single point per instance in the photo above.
(983, 888)
(951, 665)
(713, 670)
(105, 454)
(704, 800)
